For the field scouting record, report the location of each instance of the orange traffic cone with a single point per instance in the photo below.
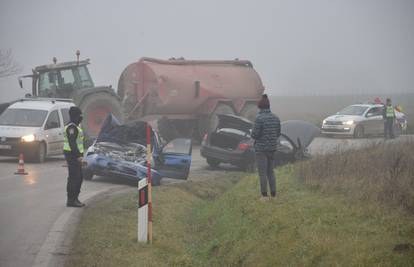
(20, 167)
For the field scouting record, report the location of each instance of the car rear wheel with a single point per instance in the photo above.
(359, 132)
(213, 162)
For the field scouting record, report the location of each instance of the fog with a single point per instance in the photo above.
(299, 47)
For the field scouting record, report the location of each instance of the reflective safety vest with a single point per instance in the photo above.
(79, 139)
(390, 112)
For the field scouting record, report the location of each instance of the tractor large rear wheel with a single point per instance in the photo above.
(95, 108)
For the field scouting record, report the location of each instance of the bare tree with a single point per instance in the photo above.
(8, 66)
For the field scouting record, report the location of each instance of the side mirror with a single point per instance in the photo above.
(21, 82)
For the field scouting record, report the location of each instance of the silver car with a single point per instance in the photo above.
(361, 120)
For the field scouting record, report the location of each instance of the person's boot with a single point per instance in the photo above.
(72, 202)
(79, 203)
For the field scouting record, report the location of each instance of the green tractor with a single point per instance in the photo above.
(71, 80)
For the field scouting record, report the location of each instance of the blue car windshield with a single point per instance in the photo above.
(23, 117)
(353, 110)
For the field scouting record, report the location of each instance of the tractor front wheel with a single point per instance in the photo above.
(95, 108)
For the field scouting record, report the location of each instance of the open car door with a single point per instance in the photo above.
(299, 132)
(175, 159)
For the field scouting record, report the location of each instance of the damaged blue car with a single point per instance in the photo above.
(121, 151)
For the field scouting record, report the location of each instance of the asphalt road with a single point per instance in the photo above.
(32, 207)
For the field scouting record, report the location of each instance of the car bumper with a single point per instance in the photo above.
(15, 148)
(338, 129)
(226, 156)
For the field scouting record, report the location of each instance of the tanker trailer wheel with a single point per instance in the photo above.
(209, 124)
(249, 112)
(95, 108)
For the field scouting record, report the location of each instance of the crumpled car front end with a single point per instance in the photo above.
(121, 151)
(125, 161)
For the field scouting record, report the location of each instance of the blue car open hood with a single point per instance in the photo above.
(132, 132)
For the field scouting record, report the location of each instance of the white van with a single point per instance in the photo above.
(34, 127)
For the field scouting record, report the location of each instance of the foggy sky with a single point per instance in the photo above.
(297, 46)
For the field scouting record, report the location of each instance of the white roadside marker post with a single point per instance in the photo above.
(143, 211)
(149, 158)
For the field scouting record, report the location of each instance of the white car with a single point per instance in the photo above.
(34, 127)
(361, 120)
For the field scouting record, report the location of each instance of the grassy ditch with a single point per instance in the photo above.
(220, 222)
(382, 173)
(107, 234)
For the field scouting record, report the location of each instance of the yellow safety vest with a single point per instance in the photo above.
(79, 139)
(390, 112)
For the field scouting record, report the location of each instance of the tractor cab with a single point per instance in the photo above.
(72, 80)
(60, 80)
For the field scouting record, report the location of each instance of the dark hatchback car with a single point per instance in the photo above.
(120, 151)
(231, 142)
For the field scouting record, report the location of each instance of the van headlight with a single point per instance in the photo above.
(28, 138)
(324, 121)
(348, 122)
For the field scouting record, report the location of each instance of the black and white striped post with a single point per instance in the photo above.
(143, 211)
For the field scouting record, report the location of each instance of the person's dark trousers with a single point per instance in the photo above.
(75, 178)
(265, 166)
(389, 128)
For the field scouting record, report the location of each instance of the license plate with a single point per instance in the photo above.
(5, 146)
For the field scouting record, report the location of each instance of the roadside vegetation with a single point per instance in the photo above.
(382, 173)
(221, 222)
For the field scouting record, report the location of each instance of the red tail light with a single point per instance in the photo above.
(243, 146)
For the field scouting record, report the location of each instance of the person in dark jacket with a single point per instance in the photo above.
(266, 132)
(73, 150)
(389, 117)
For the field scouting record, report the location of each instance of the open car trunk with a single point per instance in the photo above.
(231, 129)
(227, 138)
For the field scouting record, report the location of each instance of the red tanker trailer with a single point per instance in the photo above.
(185, 95)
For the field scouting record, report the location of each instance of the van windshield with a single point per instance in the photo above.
(23, 117)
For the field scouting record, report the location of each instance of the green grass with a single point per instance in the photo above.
(221, 223)
(107, 234)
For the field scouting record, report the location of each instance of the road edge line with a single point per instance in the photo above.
(58, 231)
